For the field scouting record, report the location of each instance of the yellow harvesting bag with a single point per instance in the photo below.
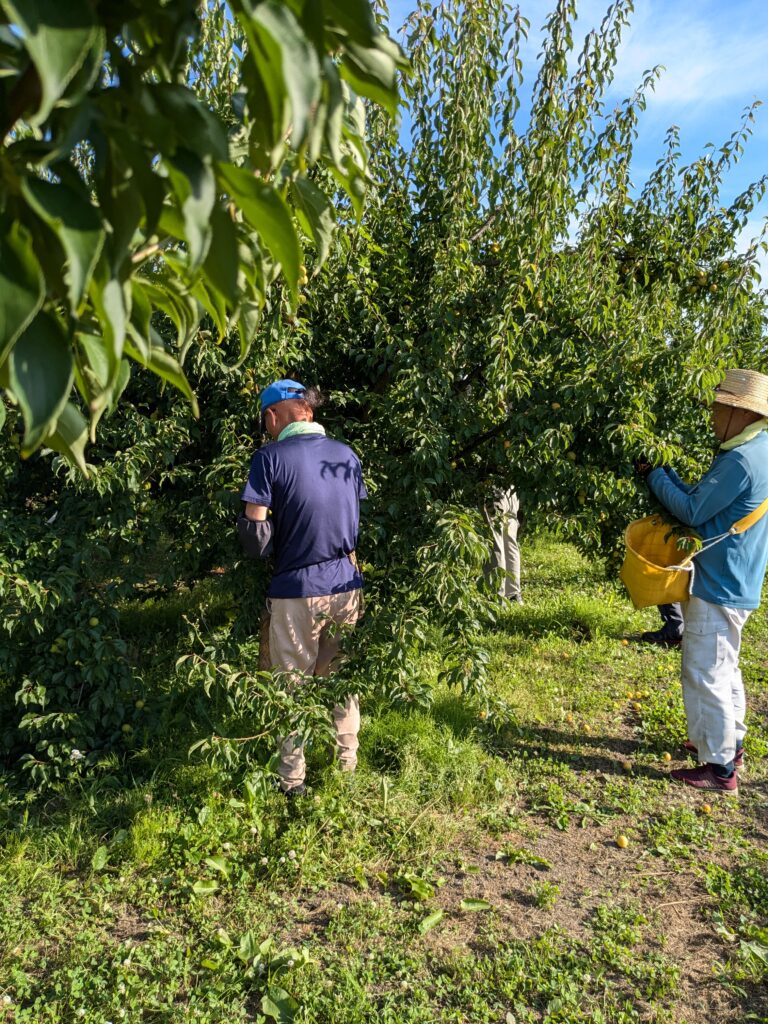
(655, 570)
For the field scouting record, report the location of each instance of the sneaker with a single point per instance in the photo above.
(291, 794)
(662, 638)
(738, 761)
(704, 777)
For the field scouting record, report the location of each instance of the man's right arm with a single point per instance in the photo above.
(257, 513)
(254, 528)
(255, 531)
(715, 492)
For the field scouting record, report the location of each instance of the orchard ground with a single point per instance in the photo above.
(469, 871)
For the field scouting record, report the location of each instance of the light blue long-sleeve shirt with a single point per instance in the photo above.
(731, 573)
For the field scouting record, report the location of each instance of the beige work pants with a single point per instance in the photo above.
(505, 553)
(713, 690)
(305, 638)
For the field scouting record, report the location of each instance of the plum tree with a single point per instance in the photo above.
(504, 308)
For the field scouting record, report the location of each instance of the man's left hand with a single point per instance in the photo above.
(643, 466)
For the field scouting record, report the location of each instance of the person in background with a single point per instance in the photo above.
(501, 514)
(302, 507)
(728, 576)
(671, 633)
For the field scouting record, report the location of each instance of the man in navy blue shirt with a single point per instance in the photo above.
(302, 503)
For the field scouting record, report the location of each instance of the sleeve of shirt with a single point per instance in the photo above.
(362, 493)
(258, 487)
(713, 493)
(678, 481)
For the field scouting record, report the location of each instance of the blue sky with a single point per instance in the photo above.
(715, 54)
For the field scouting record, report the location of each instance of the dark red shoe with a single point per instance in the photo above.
(704, 777)
(738, 761)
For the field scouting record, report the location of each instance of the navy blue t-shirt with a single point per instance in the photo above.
(313, 485)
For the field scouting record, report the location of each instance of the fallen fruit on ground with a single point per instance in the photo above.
(622, 842)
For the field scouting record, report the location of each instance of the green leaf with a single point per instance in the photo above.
(247, 326)
(315, 214)
(69, 213)
(249, 947)
(58, 37)
(219, 864)
(519, 855)
(430, 921)
(204, 888)
(100, 858)
(286, 62)
(475, 905)
(355, 17)
(372, 72)
(213, 303)
(279, 1005)
(416, 886)
(99, 387)
(180, 307)
(40, 377)
(160, 361)
(184, 121)
(21, 286)
(194, 185)
(334, 112)
(354, 183)
(221, 264)
(122, 200)
(112, 305)
(266, 212)
(70, 437)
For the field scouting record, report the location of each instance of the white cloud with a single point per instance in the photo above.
(714, 55)
(711, 52)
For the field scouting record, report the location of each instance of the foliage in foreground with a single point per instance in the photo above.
(156, 166)
(469, 872)
(508, 311)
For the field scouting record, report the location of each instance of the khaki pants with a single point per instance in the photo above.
(304, 638)
(505, 553)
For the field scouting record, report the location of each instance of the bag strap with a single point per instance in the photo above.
(740, 527)
(751, 519)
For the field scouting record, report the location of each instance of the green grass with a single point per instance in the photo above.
(467, 873)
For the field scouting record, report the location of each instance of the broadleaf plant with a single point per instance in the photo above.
(135, 188)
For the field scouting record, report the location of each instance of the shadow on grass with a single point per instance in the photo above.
(558, 746)
(580, 620)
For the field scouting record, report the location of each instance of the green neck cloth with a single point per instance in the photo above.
(300, 427)
(747, 434)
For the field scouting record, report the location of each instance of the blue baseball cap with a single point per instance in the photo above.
(279, 391)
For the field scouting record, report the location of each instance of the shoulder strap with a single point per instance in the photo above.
(751, 519)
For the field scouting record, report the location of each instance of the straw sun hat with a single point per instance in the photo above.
(744, 389)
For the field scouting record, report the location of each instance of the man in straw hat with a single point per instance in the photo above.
(728, 576)
(302, 506)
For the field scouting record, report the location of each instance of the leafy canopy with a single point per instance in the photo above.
(138, 186)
